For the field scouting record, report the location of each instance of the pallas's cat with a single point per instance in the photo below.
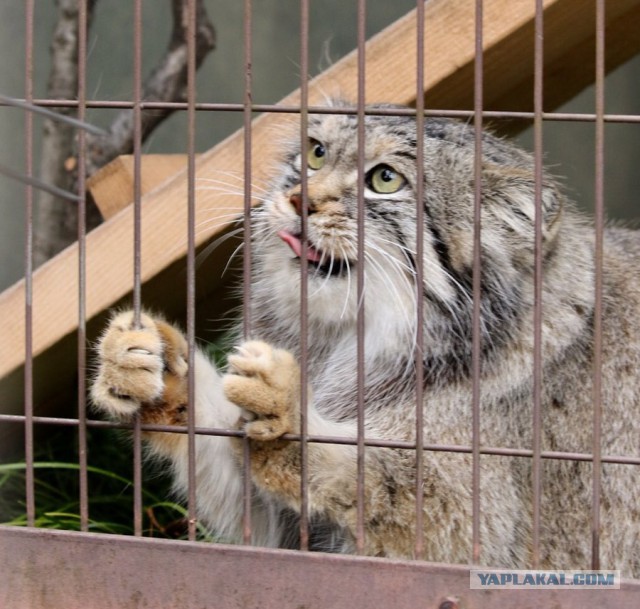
(143, 370)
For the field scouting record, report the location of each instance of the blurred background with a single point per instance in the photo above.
(569, 147)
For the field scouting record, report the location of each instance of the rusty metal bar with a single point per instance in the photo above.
(28, 273)
(137, 245)
(63, 118)
(82, 274)
(419, 279)
(598, 307)
(246, 278)
(137, 158)
(360, 283)
(164, 574)
(344, 441)
(346, 110)
(477, 270)
(538, 76)
(191, 268)
(304, 284)
(30, 181)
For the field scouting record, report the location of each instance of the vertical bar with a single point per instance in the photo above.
(304, 407)
(82, 264)
(476, 347)
(537, 279)
(597, 316)
(360, 494)
(246, 283)
(191, 259)
(419, 352)
(28, 272)
(137, 244)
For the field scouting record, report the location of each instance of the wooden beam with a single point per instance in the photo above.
(390, 76)
(112, 186)
(569, 56)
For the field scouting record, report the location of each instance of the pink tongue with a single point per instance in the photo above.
(296, 245)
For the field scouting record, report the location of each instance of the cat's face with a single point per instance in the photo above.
(389, 187)
(331, 162)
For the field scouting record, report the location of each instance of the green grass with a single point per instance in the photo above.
(57, 489)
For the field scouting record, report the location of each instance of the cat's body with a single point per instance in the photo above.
(144, 370)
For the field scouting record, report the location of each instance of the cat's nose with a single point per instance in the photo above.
(296, 200)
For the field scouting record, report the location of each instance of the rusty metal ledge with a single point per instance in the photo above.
(42, 569)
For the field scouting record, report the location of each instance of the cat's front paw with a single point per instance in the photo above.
(265, 383)
(133, 364)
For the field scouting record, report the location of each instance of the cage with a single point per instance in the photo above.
(165, 241)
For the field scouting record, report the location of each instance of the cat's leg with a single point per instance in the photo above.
(142, 371)
(265, 383)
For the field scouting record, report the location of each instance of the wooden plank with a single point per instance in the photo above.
(390, 76)
(569, 58)
(56, 570)
(112, 186)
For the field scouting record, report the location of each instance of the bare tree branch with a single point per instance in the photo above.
(55, 218)
(166, 83)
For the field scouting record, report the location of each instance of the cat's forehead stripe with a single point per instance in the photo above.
(339, 134)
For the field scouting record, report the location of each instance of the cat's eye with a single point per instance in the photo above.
(384, 180)
(316, 154)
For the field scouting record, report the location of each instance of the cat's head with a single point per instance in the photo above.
(388, 183)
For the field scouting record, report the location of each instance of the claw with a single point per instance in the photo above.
(139, 350)
(240, 350)
(120, 396)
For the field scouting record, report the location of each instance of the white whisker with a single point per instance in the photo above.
(212, 227)
(233, 255)
(206, 252)
(346, 300)
(232, 193)
(238, 178)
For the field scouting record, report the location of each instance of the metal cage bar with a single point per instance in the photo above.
(433, 447)
(304, 285)
(137, 246)
(419, 349)
(598, 308)
(191, 268)
(536, 438)
(82, 271)
(226, 574)
(28, 272)
(246, 271)
(285, 109)
(478, 101)
(360, 282)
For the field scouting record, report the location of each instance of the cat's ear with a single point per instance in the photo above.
(509, 194)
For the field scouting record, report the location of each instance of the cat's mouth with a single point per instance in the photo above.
(323, 263)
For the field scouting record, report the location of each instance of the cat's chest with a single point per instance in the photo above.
(337, 382)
